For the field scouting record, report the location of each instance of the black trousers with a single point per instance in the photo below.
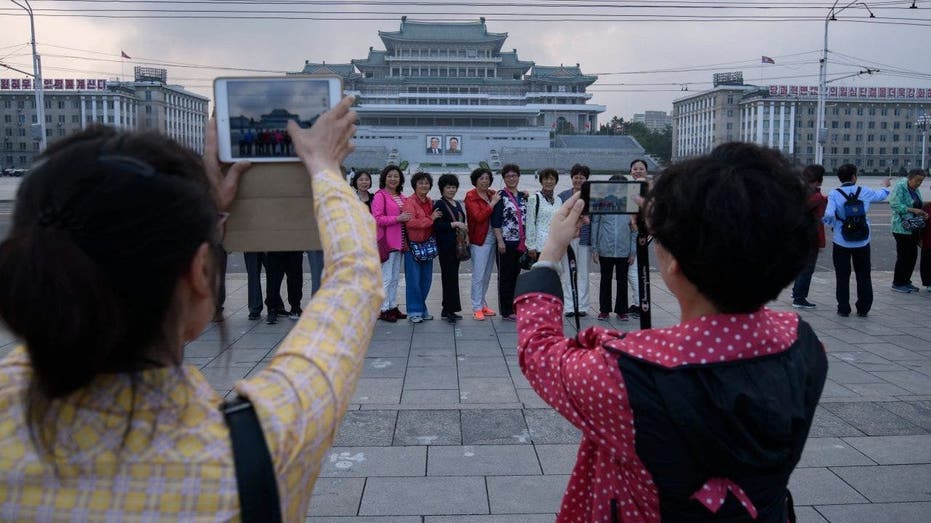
(277, 265)
(508, 270)
(906, 255)
(449, 278)
(254, 262)
(616, 268)
(860, 256)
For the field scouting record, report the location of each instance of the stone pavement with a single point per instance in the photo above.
(443, 427)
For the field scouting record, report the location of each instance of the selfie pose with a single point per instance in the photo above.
(107, 273)
(723, 401)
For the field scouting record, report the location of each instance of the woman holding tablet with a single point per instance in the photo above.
(101, 421)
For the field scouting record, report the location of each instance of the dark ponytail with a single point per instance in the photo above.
(105, 225)
(55, 297)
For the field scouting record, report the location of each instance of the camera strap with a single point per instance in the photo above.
(574, 285)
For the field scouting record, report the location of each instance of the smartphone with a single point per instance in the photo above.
(253, 113)
(612, 196)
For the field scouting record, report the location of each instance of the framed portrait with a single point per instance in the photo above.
(453, 144)
(434, 144)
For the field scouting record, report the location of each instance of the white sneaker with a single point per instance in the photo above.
(415, 319)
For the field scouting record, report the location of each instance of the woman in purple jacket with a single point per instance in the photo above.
(386, 208)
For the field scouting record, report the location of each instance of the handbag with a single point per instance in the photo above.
(424, 251)
(383, 250)
(463, 252)
(913, 222)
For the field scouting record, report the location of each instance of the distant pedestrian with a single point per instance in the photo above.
(851, 238)
(479, 203)
(908, 220)
(812, 176)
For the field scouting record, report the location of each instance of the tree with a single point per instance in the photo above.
(656, 143)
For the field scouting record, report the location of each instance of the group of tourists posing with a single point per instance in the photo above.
(506, 227)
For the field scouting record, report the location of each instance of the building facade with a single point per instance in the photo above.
(451, 84)
(654, 120)
(873, 128)
(71, 105)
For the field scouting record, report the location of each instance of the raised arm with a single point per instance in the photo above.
(302, 395)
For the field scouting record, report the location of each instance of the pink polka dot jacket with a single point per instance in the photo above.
(703, 421)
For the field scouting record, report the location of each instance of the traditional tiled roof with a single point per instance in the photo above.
(560, 73)
(509, 60)
(375, 59)
(344, 70)
(415, 31)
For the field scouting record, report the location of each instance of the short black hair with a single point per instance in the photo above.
(477, 173)
(420, 175)
(580, 169)
(813, 173)
(355, 179)
(737, 223)
(510, 167)
(846, 172)
(917, 172)
(639, 160)
(549, 172)
(447, 180)
(384, 175)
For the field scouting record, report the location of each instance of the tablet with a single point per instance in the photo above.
(253, 113)
(612, 196)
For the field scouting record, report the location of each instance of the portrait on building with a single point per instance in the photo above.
(434, 145)
(454, 144)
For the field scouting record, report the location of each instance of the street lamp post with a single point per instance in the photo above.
(924, 121)
(823, 77)
(36, 79)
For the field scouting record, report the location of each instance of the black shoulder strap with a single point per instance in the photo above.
(536, 216)
(255, 474)
(856, 195)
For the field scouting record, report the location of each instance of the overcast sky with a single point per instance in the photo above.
(602, 40)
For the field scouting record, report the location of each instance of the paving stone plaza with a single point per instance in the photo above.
(443, 427)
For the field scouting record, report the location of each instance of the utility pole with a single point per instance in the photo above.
(923, 123)
(38, 129)
(823, 77)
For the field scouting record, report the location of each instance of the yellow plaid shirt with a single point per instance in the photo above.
(176, 463)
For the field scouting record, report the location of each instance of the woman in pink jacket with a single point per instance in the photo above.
(386, 208)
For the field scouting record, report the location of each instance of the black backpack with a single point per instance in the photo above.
(854, 227)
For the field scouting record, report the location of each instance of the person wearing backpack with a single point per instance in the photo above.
(846, 213)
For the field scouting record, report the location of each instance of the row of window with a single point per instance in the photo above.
(445, 72)
(442, 53)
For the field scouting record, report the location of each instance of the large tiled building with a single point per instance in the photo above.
(871, 127)
(654, 120)
(146, 103)
(446, 93)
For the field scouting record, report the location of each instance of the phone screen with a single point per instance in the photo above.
(258, 110)
(612, 196)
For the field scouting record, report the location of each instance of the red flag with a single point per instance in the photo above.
(766, 60)
(124, 55)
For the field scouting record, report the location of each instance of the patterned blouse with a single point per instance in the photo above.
(510, 218)
(175, 462)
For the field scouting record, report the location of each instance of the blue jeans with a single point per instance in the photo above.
(315, 260)
(417, 277)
